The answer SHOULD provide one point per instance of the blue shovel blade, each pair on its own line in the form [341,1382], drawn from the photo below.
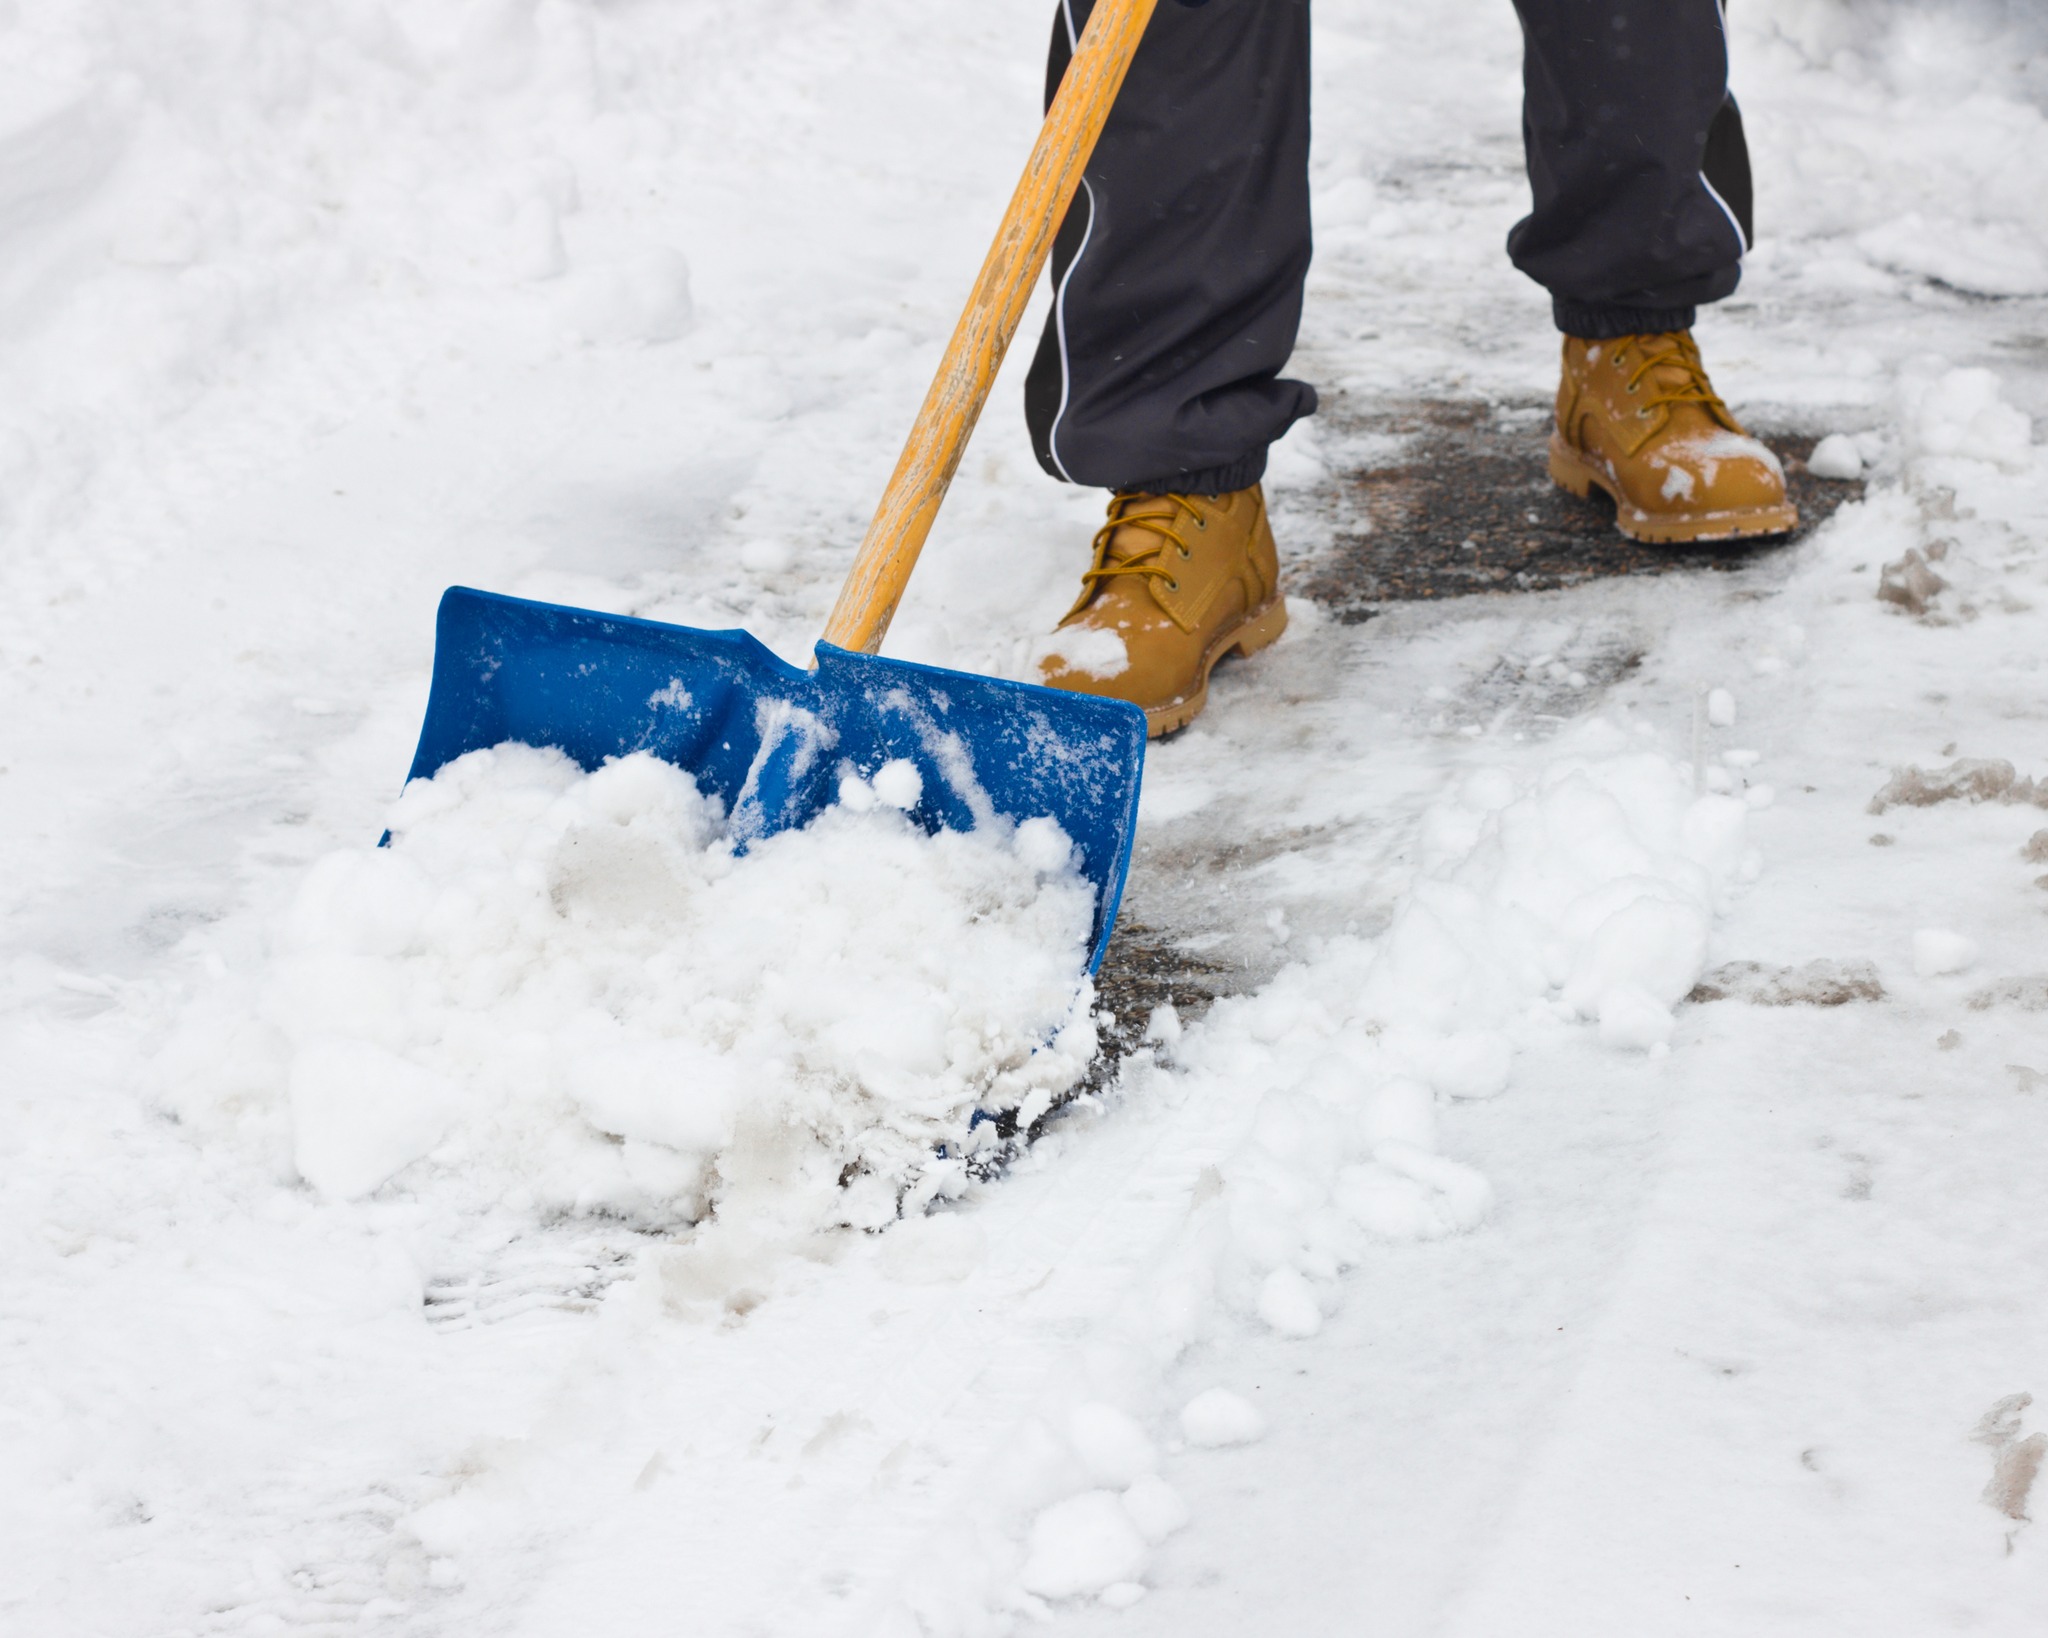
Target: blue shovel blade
[772,742]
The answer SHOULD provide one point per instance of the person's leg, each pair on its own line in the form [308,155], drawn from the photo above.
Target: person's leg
[1636,161]
[1177,276]
[1177,283]
[1642,212]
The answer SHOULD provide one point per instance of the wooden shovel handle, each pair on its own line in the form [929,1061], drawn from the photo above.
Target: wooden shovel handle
[910,505]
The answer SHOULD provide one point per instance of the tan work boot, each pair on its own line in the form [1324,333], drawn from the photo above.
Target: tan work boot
[1637,417]
[1178,581]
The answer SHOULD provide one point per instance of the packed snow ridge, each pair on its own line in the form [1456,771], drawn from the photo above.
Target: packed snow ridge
[569,992]
[1576,892]
[1583,895]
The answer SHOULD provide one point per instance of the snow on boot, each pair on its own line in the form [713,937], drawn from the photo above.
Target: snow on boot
[1637,417]
[1178,581]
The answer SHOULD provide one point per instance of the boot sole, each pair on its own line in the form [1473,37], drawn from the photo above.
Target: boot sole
[1573,472]
[1259,629]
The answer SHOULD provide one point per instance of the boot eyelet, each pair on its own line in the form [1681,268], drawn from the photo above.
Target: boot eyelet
[1642,415]
[1173,585]
[1634,388]
[1201,523]
[1185,554]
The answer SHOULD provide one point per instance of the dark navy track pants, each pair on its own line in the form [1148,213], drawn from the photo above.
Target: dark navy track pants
[1178,274]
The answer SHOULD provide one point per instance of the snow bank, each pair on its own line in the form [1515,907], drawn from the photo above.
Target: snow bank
[568,990]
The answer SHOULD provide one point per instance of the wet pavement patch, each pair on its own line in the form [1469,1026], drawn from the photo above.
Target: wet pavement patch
[1465,505]
[1143,968]
[1146,968]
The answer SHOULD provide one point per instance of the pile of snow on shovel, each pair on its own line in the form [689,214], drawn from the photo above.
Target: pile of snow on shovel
[568,993]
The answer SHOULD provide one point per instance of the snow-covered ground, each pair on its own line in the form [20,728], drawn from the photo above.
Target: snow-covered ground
[1456,1276]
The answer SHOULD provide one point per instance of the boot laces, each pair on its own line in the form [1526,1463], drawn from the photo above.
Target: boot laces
[1157,515]
[1672,366]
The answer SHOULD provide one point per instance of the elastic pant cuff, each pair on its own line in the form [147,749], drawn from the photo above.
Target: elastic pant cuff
[1212,480]
[1602,321]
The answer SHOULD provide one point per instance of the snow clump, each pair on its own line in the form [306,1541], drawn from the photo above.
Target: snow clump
[1089,650]
[1938,954]
[1836,457]
[1218,1418]
[1085,1544]
[1962,414]
[568,988]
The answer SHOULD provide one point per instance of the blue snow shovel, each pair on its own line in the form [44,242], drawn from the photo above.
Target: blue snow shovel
[773,742]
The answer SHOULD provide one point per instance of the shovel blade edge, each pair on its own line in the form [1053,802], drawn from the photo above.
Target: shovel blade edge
[771,741]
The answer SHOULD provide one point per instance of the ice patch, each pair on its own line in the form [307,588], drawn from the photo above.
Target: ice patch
[570,984]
